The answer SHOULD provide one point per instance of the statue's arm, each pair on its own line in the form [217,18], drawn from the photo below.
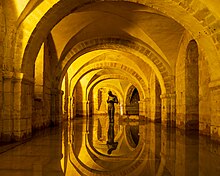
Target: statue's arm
[116,99]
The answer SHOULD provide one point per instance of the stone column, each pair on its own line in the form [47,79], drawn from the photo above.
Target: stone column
[147,107]
[56,106]
[141,108]
[144,107]
[87,108]
[70,110]
[1,101]
[22,127]
[82,108]
[168,111]
[7,124]
[215,110]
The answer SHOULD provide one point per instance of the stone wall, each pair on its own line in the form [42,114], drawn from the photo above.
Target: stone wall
[187,74]
[192,106]
[204,97]
[17,93]
[192,86]
[215,110]
[43,86]
[2,36]
[79,103]
[155,101]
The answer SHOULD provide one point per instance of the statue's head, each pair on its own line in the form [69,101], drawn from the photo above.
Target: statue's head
[110,92]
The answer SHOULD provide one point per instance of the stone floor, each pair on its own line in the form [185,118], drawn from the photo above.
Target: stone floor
[125,147]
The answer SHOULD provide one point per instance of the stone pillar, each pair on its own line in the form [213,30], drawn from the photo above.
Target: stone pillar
[124,108]
[26,93]
[121,109]
[70,107]
[1,102]
[56,106]
[147,107]
[215,110]
[82,108]
[141,108]
[144,107]
[168,111]
[7,123]
[21,124]
[87,108]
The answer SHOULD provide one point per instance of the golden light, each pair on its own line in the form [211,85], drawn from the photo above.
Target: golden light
[20,5]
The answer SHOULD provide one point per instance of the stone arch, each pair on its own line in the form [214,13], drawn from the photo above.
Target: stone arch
[106,65]
[129,93]
[129,107]
[138,48]
[202,28]
[115,76]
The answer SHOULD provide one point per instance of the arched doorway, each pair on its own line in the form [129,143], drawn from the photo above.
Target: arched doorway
[192,86]
[132,101]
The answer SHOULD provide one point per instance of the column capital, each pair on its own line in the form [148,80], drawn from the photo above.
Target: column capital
[18,76]
[169,95]
[7,74]
[57,91]
[144,100]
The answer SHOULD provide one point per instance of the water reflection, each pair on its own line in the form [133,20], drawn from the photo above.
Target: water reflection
[136,148]
[112,145]
[144,149]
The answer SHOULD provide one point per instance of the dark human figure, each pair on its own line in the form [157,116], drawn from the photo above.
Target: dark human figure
[111,108]
[112,99]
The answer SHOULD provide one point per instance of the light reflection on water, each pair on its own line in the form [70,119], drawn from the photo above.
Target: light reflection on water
[79,147]
[138,148]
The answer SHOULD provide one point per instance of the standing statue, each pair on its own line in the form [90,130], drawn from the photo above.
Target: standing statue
[111,108]
[112,99]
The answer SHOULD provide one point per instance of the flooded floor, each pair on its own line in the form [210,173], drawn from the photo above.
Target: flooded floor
[126,147]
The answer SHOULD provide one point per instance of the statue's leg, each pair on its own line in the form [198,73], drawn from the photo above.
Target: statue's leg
[112,115]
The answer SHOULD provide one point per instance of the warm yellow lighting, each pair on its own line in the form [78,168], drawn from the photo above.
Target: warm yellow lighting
[39,66]
[121,109]
[20,5]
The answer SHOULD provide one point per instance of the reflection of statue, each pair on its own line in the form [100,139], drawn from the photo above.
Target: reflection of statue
[111,144]
[111,108]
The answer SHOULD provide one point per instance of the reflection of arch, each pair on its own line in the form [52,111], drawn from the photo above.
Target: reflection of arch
[136,159]
[129,136]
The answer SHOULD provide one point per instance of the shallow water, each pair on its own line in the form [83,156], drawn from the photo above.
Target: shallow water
[92,147]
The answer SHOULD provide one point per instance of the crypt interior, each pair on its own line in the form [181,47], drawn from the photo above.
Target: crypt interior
[59,59]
